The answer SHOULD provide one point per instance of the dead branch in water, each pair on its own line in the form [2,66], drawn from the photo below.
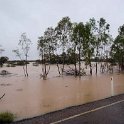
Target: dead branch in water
[2,96]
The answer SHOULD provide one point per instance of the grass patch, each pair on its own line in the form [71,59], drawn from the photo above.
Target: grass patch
[6,117]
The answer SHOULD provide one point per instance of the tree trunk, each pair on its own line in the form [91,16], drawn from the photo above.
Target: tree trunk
[58,69]
[75,69]
[57,64]
[90,69]
[96,60]
[79,64]
[75,62]
[26,67]
[44,76]
[96,68]
[63,65]
[24,70]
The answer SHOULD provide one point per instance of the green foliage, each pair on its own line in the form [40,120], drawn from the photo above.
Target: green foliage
[20,63]
[72,57]
[63,31]
[46,47]
[117,49]
[38,61]
[75,42]
[6,117]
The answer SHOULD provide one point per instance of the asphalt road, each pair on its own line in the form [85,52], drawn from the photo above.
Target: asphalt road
[113,114]
[105,111]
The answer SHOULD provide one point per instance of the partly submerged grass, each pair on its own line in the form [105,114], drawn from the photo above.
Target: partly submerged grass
[6,117]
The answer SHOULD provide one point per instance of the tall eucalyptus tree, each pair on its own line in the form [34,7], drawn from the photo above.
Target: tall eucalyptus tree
[43,52]
[18,54]
[78,38]
[88,44]
[117,49]
[74,45]
[46,47]
[102,36]
[63,31]
[24,43]
[49,36]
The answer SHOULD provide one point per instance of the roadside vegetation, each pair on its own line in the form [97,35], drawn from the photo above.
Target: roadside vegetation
[6,117]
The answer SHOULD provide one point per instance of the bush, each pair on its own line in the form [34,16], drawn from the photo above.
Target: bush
[12,65]
[6,117]
[20,63]
[3,60]
[8,65]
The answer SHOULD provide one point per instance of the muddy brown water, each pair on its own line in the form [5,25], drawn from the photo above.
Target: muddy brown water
[32,96]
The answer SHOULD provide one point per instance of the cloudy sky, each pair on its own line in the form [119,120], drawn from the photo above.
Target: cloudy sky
[34,16]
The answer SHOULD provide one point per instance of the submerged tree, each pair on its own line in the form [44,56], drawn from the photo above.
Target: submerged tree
[102,36]
[89,42]
[83,41]
[25,46]
[44,53]
[72,51]
[78,38]
[18,54]
[117,49]
[49,36]
[47,47]
[63,31]
[24,43]
[71,43]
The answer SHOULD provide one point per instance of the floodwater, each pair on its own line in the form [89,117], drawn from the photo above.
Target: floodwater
[32,96]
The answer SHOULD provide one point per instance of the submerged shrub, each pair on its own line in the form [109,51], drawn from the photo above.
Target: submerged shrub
[6,117]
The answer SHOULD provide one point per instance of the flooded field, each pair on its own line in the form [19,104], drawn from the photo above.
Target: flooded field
[32,96]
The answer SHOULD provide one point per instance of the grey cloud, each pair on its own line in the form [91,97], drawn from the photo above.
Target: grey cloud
[34,16]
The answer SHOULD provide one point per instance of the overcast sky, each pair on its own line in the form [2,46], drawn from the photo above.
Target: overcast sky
[34,16]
